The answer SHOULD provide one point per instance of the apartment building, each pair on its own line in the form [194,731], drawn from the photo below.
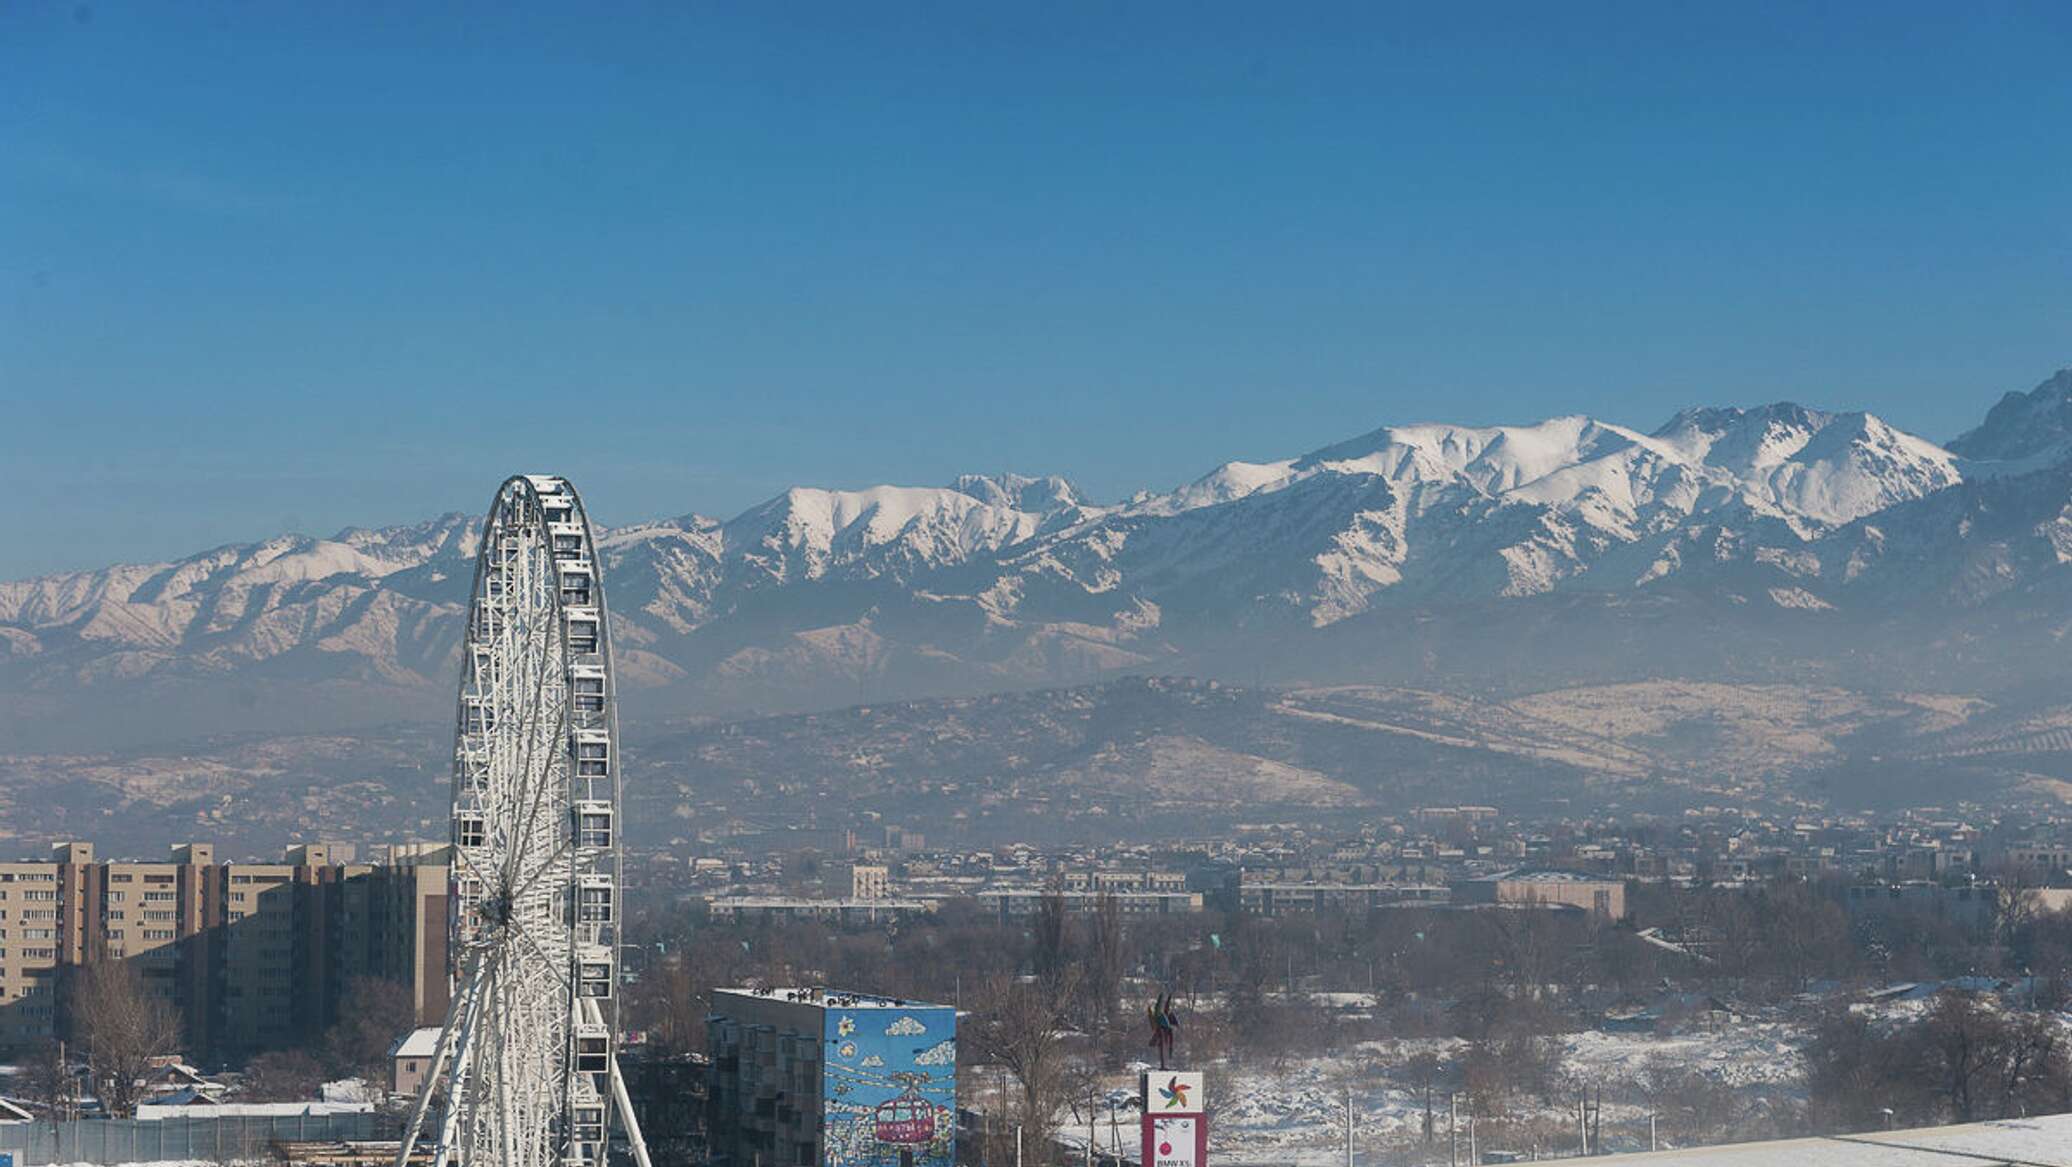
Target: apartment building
[254,956]
[30,949]
[863,881]
[805,1077]
[1546,888]
[1285,897]
[1105,879]
[1012,904]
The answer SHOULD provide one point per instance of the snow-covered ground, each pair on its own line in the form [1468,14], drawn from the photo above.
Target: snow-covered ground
[1296,1115]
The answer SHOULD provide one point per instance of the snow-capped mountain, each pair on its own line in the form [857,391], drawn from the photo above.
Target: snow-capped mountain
[821,595]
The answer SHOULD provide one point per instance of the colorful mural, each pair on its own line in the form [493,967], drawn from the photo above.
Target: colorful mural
[890,1087]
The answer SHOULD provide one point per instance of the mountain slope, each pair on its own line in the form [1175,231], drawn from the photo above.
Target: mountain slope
[1799,535]
[2024,431]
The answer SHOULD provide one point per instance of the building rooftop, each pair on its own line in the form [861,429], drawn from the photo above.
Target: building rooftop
[418,1043]
[828,998]
[2028,1142]
[1547,875]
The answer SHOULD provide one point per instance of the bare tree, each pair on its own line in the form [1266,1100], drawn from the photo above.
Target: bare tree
[373,1016]
[1023,1027]
[123,1026]
[1422,1071]
[1052,937]
[1104,962]
[47,1080]
[289,1075]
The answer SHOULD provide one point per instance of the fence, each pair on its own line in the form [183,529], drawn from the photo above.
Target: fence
[221,1139]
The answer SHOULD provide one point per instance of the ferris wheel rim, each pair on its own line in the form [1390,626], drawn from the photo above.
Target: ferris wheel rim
[523,939]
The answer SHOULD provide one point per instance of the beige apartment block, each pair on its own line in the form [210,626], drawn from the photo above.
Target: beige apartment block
[254,956]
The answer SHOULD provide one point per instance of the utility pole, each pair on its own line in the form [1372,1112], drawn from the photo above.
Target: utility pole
[1453,1130]
[1651,1130]
[1348,1126]
[1018,1145]
[1091,1129]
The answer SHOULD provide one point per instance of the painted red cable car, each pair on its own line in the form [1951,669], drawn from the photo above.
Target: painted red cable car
[908,1120]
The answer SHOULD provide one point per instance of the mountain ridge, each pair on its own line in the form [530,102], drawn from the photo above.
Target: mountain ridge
[992,581]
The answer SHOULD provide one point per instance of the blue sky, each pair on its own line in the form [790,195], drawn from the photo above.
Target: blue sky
[270,267]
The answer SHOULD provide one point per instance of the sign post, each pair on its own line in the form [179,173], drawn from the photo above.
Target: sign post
[1176,1119]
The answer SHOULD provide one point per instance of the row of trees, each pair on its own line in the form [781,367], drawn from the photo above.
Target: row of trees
[112,1027]
[1967,1059]
[110,1022]
[1054,1000]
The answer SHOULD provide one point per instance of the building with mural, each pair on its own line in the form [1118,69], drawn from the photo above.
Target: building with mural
[822,1076]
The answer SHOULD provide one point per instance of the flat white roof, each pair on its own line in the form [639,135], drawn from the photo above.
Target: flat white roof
[829,998]
[420,1044]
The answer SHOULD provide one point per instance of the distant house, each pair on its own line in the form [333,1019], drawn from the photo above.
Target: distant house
[411,1059]
[1543,887]
[170,1075]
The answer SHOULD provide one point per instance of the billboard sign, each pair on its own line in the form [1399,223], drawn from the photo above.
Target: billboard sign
[1176,1121]
[889,1087]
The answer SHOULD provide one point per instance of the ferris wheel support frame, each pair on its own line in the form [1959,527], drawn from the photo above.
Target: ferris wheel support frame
[526,1065]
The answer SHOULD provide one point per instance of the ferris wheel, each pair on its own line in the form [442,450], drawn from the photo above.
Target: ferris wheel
[525,1072]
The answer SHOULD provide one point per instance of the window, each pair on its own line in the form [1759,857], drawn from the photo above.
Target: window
[575,586]
[158,933]
[41,896]
[582,632]
[593,826]
[159,897]
[593,1053]
[589,1124]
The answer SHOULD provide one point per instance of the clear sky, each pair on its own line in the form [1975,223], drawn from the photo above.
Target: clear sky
[295,266]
